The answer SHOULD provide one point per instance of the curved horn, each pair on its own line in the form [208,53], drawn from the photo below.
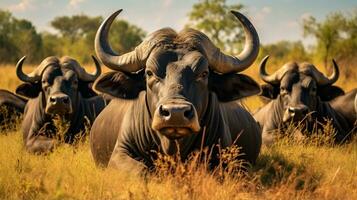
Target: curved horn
[272,79]
[223,63]
[336,73]
[20,74]
[31,78]
[276,76]
[83,75]
[129,62]
[322,79]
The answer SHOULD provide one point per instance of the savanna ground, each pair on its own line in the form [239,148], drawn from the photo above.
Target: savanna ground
[311,168]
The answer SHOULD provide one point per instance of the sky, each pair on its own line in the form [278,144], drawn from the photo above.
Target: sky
[274,20]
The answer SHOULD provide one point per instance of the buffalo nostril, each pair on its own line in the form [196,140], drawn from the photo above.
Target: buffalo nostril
[65,100]
[189,113]
[52,100]
[163,112]
[291,110]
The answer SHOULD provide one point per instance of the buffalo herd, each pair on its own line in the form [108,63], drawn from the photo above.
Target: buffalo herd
[176,93]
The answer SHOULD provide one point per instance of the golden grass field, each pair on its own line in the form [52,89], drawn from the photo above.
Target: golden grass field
[308,169]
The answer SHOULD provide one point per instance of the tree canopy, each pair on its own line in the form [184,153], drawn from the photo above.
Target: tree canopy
[74,36]
[18,37]
[336,38]
[213,17]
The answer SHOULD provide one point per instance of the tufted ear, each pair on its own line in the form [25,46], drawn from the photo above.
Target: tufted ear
[29,90]
[120,84]
[327,93]
[269,92]
[230,87]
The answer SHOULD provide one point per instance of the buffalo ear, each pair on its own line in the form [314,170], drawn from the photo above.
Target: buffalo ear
[327,93]
[29,90]
[269,92]
[120,84]
[230,87]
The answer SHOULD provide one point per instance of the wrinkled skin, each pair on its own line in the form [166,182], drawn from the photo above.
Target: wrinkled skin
[126,126]
[176,104]
[12,106]
[61,93]
[299,99]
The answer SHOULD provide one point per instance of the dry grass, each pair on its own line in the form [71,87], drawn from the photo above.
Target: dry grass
[290,169]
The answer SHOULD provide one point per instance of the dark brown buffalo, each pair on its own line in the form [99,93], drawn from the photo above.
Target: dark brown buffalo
[11,108]
[300,94]
[174,88]
[346,105]
[57,87]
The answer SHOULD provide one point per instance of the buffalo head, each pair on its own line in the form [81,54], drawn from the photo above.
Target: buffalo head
[179,72]
[299,87]
[58,81]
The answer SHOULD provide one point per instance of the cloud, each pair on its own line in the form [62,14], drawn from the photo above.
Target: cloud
[266,10]
[75,3]
[23,5]
[260,14]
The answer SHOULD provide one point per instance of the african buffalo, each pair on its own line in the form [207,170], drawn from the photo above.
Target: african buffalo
[174,94]
[346,105]
[301,94]
[12,106]
[57,87]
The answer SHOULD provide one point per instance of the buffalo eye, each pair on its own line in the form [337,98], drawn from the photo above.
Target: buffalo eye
[313,90]
[45,84]
[75,83]
[202,75]
[149,73]
[283,90]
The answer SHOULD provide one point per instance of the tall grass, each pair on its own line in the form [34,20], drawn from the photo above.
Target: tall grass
[286,170]
[311,168]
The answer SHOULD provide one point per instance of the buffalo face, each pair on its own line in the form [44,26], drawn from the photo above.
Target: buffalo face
[178,71]
[177,90]
[298,94]
[58,82]
[299,88]
[60,90]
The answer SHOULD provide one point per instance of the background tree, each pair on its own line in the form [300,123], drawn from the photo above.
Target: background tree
[77,33]
[213,17]
[76,26]
[284,51]
[336,37]
[7,48]
[326,33]
[17,38]
[73,36]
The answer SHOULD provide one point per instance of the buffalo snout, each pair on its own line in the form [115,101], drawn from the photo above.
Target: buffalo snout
[176,119]
[176,112]
[296,113]
[58,104]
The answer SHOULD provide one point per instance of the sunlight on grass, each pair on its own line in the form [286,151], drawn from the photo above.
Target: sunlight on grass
[288,169]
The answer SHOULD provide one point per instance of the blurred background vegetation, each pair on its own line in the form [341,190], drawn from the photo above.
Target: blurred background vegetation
[334,37]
